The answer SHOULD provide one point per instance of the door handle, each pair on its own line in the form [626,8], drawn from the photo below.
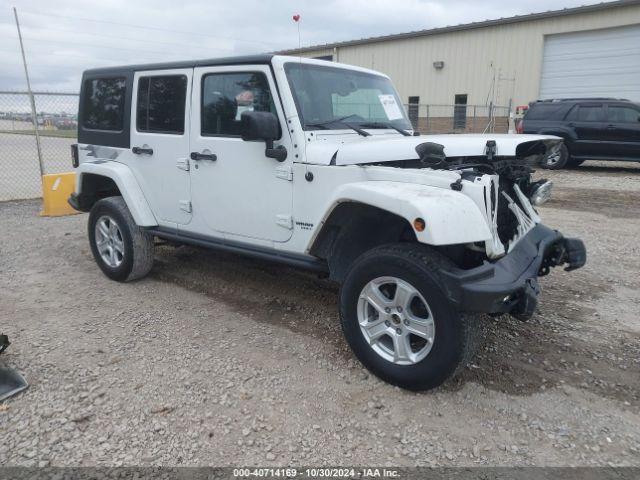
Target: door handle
[611,127]
[212,157]
[140,151]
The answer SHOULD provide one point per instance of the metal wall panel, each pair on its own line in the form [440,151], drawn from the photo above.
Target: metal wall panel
[597,63]
[511,53]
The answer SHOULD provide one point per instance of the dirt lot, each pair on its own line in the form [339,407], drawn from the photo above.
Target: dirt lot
[220,360]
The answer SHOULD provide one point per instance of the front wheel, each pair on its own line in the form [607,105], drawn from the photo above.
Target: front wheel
[398,321]
[557,159]
[122,249]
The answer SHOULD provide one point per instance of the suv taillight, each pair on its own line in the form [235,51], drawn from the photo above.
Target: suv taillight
[75,159]
[520,127]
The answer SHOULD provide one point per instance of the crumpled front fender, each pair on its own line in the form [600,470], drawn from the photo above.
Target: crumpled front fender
[450,217]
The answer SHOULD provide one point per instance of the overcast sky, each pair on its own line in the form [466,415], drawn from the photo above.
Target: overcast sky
[64,37]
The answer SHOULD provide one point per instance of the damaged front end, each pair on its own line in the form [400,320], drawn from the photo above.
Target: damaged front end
[509,285]
[521,248]
[500,186]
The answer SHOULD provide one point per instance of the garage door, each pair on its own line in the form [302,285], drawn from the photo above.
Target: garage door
[597,63]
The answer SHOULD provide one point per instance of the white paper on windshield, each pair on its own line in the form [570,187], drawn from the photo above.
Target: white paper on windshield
[391,108]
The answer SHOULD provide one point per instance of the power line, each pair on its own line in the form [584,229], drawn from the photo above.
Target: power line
[129,38]
[147,27]
[81,56]
[93,45]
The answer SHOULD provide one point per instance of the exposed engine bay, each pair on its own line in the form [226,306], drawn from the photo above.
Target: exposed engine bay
[501,186]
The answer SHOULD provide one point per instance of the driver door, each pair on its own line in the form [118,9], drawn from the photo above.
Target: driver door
[237,192]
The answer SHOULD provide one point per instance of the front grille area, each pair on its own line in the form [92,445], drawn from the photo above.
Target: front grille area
[506,218]
[509,214]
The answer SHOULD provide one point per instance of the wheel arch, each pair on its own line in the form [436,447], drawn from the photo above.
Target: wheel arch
[97,181]
[364,215]
[353,228]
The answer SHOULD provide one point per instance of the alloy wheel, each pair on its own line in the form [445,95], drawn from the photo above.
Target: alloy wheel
[396,320]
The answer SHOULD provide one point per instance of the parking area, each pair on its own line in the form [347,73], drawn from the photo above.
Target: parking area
[20,173]
[216,359]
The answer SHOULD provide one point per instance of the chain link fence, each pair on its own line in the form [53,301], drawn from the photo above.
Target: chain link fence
[437,119]
[56,122]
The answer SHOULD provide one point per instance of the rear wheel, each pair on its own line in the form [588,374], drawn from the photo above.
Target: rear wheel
[557,160]
[398,321]
[122,249]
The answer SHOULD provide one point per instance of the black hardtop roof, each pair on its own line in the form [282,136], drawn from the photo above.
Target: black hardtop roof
[264,59]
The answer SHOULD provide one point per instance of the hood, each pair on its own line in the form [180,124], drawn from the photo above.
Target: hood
[333,150]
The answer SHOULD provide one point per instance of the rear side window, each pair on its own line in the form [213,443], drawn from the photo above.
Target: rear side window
[161,104]
[104,104]
[619,114]
[586,113]
[545,111]
[226,95]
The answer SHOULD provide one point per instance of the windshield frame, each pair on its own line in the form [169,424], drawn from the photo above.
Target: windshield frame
[308,125]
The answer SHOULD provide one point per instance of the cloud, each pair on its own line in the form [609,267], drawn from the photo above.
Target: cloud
[61,40]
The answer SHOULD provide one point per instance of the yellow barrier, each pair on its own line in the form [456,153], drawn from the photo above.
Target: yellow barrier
[56,189]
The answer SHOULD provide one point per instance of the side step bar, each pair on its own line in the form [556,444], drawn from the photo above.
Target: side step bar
[295,260]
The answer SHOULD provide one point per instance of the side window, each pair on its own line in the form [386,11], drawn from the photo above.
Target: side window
[103,104]
[226,95]
[161,104]
[590,113]
[619,114]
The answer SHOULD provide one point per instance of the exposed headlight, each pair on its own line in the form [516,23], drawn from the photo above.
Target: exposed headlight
[540,192]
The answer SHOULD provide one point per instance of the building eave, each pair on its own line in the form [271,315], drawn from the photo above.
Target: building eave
[467,26]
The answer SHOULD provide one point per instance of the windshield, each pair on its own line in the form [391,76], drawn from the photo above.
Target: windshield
[328,96]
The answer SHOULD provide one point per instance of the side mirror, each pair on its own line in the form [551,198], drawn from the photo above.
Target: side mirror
[262,126]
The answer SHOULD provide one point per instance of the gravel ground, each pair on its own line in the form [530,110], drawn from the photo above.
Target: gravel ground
[219,360]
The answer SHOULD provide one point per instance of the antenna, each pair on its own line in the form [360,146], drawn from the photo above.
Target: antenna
[296,18]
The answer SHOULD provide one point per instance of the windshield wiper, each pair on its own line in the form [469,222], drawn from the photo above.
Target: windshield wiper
[324,125]
[385,125]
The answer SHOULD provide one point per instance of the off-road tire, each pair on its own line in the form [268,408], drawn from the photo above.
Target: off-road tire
[138,244]
[560,163]
[456,334]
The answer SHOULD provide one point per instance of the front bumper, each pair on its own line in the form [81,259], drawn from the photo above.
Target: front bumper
[510,284]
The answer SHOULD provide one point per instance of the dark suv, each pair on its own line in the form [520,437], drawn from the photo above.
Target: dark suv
[592,128]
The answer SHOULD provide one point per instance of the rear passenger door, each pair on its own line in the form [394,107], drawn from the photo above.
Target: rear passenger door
[588,122]
[160,142]
[623,130]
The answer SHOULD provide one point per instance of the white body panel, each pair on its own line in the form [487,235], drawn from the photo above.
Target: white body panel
[242,195]
[127,184]
[351,148]
[164,183]
[246,197]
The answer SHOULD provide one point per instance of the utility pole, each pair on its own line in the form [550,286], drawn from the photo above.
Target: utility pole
[34,116]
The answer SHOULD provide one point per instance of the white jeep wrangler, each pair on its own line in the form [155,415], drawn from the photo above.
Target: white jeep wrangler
[315,164]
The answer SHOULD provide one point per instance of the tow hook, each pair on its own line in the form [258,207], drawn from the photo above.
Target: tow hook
[576,255]
[568,250]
